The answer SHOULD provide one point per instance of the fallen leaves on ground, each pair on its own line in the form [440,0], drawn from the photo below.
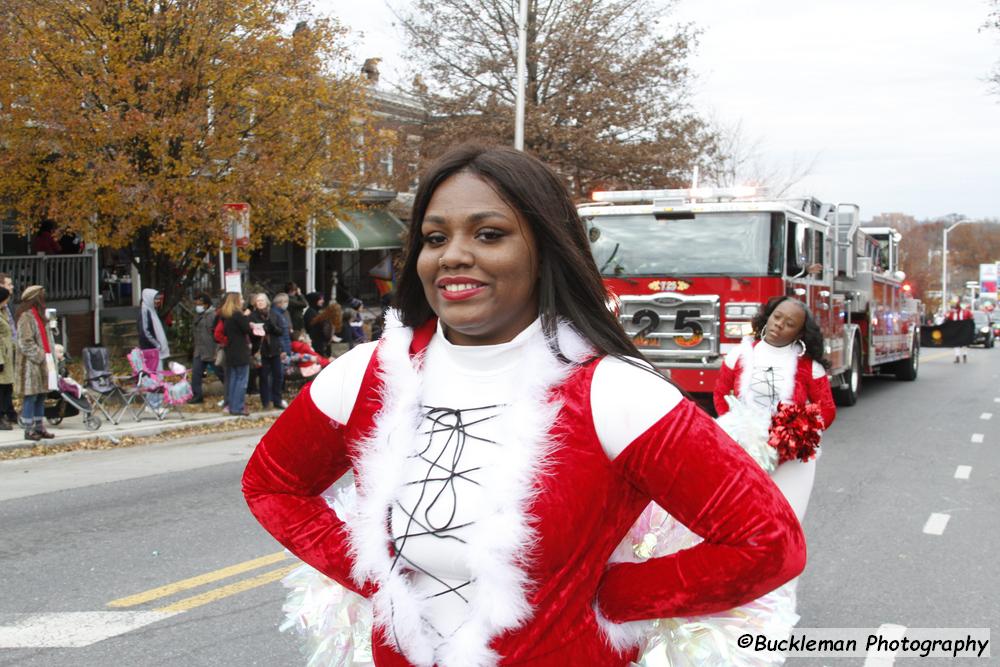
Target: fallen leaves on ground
[119,441]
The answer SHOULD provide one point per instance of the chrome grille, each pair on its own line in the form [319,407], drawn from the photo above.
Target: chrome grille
[672,327]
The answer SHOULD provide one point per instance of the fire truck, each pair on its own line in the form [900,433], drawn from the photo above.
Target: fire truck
[687,270]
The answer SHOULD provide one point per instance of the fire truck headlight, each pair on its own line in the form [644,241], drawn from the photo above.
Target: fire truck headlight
[984,329]
[737,329]
[741,310]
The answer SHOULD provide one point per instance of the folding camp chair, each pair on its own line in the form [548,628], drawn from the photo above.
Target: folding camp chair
[160,392]
[102,386]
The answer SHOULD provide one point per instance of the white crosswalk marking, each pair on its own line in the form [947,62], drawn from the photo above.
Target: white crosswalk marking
[986,416]
[71,629]
[977,437]
[963,472]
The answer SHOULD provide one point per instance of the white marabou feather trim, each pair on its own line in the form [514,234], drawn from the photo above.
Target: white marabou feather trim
[499,544]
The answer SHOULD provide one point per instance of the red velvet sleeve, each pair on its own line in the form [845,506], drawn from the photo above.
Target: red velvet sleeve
[820,393]
[752,541]
[300,456]
[723,386]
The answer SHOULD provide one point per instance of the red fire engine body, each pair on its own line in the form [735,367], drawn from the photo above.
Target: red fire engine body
[688,269]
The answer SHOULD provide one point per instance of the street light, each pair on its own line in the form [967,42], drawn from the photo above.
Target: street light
[944,265]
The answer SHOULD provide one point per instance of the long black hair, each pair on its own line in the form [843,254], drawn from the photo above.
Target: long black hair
[811,336]
[569,285]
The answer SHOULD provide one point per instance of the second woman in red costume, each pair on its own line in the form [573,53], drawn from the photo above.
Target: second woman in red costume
[783,363]
[503,437]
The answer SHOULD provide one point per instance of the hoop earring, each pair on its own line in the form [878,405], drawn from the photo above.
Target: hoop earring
[803,346]
[763,332]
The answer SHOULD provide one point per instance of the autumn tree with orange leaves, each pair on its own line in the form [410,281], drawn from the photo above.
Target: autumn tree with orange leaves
[131,122]
[607,91]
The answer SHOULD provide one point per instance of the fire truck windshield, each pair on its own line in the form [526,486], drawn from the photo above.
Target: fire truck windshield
[737,243]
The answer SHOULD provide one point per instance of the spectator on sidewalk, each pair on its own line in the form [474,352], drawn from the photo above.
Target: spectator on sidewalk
[280,306]
[352,331]
[152,335]
[310,361]
[8,310]
[6,363]
[313,324]
[7,410]
[266,326]
[35,365]
[297,305]
[205,347]
[326,325]
[237,329]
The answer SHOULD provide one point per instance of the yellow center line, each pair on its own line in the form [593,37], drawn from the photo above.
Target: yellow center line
[225,591]
[201,579]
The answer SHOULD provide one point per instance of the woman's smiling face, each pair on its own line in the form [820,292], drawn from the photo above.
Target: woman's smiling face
[478,263]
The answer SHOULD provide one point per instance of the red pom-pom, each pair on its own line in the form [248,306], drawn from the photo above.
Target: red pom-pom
[795,431]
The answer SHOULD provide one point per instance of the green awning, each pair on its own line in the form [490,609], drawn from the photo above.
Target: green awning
[363,229]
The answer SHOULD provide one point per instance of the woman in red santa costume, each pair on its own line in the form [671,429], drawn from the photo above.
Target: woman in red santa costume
[783,363]
[761,396]
[503,437]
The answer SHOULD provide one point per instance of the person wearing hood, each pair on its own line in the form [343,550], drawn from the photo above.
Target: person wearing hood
[152,336]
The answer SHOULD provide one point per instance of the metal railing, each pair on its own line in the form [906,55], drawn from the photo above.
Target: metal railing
[62,276]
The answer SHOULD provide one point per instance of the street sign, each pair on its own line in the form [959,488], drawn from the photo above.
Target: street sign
[988,281]
[234,282]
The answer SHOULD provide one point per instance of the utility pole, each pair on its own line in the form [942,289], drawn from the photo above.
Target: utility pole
[522,74]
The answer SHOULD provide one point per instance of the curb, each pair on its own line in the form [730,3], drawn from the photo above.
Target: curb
[153,428]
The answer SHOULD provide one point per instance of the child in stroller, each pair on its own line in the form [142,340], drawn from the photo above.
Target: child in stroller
[70,399]
[306,362]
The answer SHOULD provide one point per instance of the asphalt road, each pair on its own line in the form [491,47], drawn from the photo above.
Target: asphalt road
[79,549]
[889,463]
[80,531]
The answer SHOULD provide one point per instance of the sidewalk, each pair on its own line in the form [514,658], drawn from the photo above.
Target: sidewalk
[72,429]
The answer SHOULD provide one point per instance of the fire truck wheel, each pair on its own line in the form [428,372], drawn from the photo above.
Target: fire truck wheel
[847,394]
[906,369]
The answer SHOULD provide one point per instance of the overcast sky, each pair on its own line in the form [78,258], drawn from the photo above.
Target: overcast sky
[889,96]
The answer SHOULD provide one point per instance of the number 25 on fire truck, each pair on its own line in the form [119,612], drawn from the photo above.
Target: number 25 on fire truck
[686,271]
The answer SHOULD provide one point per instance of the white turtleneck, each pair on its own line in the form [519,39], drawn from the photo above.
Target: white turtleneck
[464,388]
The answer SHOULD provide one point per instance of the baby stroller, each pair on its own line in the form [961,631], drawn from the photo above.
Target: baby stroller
[70,399]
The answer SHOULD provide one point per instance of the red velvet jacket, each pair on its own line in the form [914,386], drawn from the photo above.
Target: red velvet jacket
[583,507]
[808,389]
